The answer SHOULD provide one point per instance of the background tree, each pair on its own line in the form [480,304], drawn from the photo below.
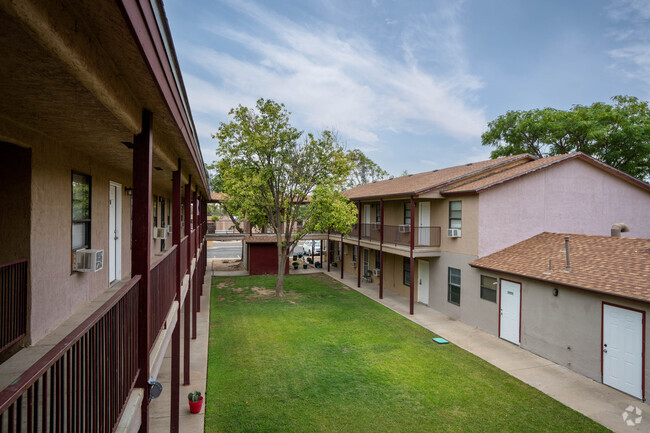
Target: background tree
[275,175]
[230,209]
[365,169]
[618,134]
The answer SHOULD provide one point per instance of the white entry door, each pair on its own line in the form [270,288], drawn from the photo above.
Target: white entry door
[366,220]
[114,232]
[510,300]
[424,231]
[423,282]
[623,349]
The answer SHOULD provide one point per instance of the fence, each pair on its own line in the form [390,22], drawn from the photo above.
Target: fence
[13,303]
[161,292]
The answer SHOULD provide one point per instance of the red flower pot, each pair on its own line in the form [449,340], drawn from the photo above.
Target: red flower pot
[195,406]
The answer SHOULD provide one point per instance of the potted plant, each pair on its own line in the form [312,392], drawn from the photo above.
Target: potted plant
[295,265]
[304,265]
[196,401]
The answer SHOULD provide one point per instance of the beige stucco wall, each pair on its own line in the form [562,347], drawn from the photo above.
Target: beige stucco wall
[566,329]
[473,310]
[468,242]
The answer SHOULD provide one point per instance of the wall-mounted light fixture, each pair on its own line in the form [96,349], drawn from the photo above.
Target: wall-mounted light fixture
[128,191]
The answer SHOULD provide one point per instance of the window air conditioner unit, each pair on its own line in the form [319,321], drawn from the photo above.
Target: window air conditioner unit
[375,226]
[86,260]
[159,233]
[169,229]
[453,233]
[354,264]
[405,228]
[376,272]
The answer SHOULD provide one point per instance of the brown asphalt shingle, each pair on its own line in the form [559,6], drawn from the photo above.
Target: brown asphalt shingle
[617,266]
[411,184]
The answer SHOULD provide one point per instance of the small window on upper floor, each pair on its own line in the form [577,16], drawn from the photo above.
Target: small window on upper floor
[455,214]
[155,211]
[81,210]
[407,213]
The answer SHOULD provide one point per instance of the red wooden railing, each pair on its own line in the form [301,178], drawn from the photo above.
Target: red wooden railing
[13,303]
[162,292]
[183,269]
[82,383]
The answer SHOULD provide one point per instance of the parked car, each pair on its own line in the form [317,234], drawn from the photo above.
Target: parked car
[308,246]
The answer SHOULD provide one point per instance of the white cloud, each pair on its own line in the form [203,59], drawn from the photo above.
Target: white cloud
[632,33]
[331,78]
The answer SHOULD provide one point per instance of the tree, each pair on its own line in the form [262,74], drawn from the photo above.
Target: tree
[618,134]
[230,209]
[275,175]
[365,170]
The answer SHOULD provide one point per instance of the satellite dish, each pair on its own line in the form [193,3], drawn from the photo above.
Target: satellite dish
[155,389]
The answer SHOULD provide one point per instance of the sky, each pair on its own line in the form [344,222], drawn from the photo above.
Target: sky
[413,84]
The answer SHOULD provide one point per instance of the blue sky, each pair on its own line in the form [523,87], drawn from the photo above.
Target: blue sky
[411,83]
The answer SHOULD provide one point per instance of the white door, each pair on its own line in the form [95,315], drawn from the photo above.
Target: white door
[366,220]
[510,300]
[424,231]
[623,349]
[114,232]
[423,282]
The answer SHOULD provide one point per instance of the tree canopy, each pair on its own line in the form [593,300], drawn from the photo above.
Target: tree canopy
[617,134]
[276,176]
[365,170]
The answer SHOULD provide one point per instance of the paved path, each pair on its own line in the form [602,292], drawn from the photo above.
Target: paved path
[601,403]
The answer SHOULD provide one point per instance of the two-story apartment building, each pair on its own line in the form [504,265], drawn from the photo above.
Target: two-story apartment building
[104,194]
[417,234]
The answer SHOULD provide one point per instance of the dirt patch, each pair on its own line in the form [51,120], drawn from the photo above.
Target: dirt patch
[220,298]
[227,265]
[225,283]
[262,291]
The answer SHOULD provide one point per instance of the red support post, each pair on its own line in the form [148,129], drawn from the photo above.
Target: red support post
[412,261]
[195,289]
[141,250]
[176,335]
[381,249]
[359,243]
[188,261]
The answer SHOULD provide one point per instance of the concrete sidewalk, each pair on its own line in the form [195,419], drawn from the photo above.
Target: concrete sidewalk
[599,402]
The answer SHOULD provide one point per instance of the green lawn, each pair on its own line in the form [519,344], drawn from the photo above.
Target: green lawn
[327,359]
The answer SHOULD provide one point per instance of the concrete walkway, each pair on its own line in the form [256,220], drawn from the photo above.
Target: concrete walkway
[159,420]
[599,402]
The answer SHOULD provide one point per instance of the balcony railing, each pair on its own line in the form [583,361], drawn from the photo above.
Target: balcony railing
[162,292]
[427,236]
[13,303]
[82,383]
[183,269]
[371,231]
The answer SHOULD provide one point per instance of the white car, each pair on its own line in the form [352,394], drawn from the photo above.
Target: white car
[310,246]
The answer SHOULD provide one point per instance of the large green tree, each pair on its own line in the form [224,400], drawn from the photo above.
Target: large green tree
[617,134]
[275,175]
[365,170]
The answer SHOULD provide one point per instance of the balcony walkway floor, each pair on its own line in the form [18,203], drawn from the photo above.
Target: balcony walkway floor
[159,409]
[599,402]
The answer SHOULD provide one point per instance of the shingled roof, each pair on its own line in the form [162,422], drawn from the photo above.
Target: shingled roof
[612,265]
[418,183]
[497,178]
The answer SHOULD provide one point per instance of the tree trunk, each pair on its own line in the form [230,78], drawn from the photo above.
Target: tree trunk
[282,259]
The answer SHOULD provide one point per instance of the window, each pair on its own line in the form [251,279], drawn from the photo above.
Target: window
[378,212]
[453,293]
[406,274]
[81,197]
[354,253]
[455,214]
[407,213]
[169,206]
[377,259]
[155,211]
[488,288]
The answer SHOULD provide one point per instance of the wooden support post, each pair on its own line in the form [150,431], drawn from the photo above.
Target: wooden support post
[359,243]
[188,297]
[381,249]
[412,261]
[195,289]
[176,334]
[141,250]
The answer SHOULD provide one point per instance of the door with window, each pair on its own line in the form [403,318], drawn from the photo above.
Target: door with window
[623,349]
[366,220]
[114,232]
